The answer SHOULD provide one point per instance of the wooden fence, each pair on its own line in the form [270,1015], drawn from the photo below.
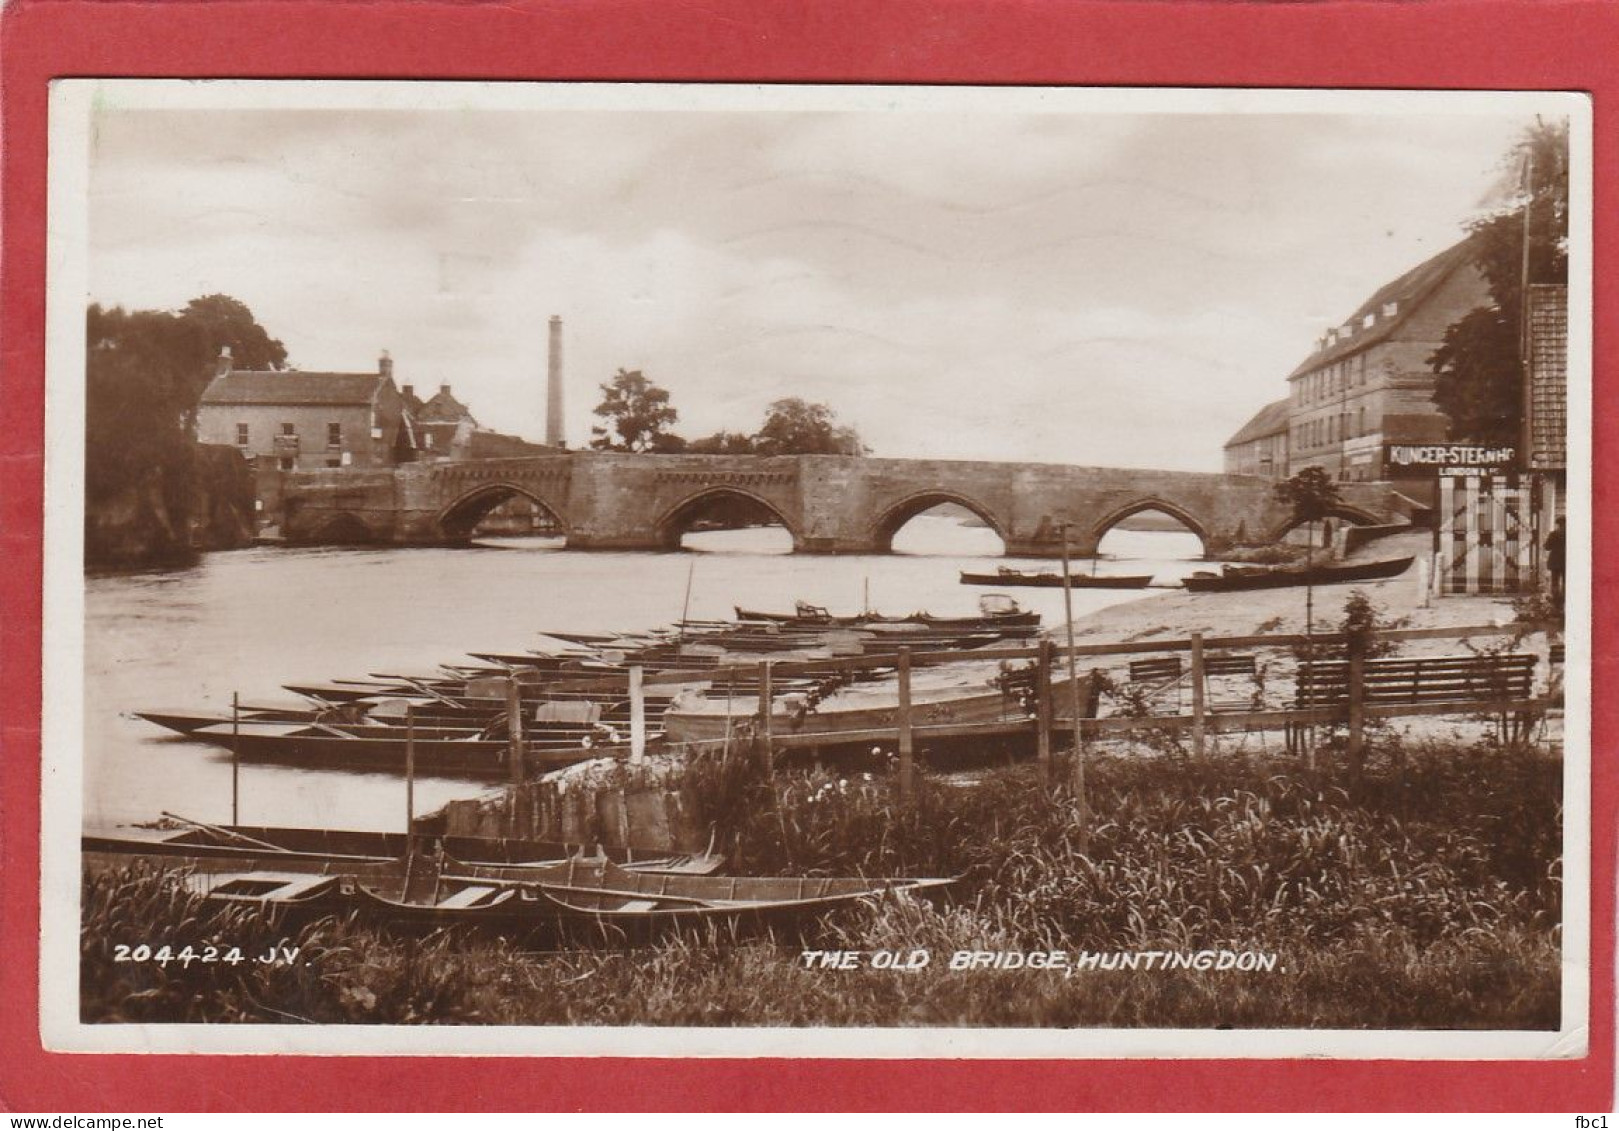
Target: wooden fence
[1341,687]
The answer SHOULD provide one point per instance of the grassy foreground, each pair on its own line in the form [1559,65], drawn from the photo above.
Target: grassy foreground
[1424,894]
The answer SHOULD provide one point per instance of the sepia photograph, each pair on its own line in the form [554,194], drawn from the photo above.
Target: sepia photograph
[658,569]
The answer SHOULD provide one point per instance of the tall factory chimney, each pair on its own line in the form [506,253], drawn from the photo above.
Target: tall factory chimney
[554,435]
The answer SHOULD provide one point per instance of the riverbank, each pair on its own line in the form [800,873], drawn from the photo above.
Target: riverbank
[1176,613]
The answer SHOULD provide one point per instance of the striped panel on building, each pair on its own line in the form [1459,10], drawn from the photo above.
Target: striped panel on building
[1486,539]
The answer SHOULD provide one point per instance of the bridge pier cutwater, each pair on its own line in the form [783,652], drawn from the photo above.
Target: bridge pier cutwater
[828,504]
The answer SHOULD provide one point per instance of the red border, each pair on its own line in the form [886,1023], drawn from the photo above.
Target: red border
[1498,44]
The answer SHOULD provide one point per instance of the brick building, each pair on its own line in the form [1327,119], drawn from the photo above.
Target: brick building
[1368,382]
[1260,446]
[297,421]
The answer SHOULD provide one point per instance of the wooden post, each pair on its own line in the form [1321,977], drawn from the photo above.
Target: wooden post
[235,758]
[1197,694]
[903,717]
[637,717]
[766,753]
[1356,752]
[514,725]
[410,771]
[1043,705]
[1081,803]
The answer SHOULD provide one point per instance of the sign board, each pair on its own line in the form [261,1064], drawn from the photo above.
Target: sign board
[1423,461]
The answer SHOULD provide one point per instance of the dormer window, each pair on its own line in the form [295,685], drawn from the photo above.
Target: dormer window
[1390,309]
[1366,323]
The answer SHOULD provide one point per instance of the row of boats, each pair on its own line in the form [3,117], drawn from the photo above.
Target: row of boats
[536,892]
[573,701]
[1230,578]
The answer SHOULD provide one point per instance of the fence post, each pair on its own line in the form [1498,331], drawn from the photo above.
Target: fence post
[906,768]
[637,716]
[1197,695]
[1356,752]
[235,758]
[1042,705]
[515,757]
[766,701]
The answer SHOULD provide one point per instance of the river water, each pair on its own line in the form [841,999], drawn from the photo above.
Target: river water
[248,620]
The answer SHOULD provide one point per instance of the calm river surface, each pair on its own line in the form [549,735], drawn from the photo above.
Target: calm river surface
[249,620]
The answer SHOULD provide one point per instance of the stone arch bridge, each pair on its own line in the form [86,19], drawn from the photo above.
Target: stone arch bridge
[829,504]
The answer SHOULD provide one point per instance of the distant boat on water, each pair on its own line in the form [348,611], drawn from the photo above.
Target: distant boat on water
[1051,580]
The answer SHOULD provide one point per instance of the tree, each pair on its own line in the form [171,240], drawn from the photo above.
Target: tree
[793,426]
[1478,367]
[638,413]
[223,321]
[145,371]
[1310,495]
[722,444]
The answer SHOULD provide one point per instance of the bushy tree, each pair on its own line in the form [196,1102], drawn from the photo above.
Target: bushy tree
[144,376]
[722,444]
[794,426]
[145,371]
[1478,368]
[638,415]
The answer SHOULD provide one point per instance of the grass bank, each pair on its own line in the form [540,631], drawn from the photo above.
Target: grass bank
[1425,893]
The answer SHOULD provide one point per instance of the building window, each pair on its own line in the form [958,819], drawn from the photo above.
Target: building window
[334,435]
[241,436]
[289,429]
[334,461]
[1362,430]
[286,463]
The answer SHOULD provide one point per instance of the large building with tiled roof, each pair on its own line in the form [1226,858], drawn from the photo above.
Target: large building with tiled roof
[293,420]
[1260,446]
[1368,381]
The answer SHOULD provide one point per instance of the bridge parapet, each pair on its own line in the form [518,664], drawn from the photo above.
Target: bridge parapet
[829,504]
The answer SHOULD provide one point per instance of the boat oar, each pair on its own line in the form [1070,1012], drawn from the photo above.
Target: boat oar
[229,834]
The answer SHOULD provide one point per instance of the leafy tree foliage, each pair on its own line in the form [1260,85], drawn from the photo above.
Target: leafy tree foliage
[1311,494]
[638,415]
[722,444]
[145,373]
[794,426]
[1478,368]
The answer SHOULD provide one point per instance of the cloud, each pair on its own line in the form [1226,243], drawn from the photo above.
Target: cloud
[1120,289]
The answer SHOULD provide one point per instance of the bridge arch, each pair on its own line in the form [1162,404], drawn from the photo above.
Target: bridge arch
[889,522]
[457,521]
[678,519]
[335,528]
[1347,512]
[1150,503]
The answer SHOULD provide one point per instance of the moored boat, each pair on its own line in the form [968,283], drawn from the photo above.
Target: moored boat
[1235,578]
[1050,580]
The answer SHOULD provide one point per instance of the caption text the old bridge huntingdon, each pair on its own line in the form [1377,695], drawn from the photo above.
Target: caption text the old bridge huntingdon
[829,504]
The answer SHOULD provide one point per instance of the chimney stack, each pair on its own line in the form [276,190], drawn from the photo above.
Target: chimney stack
[554,436]
[222,365]
[385,365]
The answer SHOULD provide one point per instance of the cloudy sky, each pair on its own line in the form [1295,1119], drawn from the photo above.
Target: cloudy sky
[997,281]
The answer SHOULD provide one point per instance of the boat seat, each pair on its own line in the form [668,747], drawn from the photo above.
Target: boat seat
[467,896]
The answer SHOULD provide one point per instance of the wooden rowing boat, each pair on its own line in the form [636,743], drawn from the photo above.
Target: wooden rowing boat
[1048,579]
[1236,578]
[340,846]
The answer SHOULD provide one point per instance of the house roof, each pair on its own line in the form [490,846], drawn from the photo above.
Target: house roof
[497,445]
[1268,421]
[293,387]
[442,407]
[1408,291]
